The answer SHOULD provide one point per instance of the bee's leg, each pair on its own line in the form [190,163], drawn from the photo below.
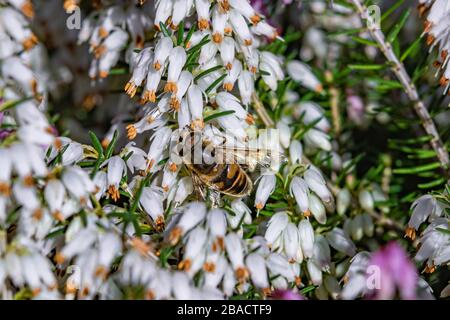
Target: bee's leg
[214,197]
[198,187]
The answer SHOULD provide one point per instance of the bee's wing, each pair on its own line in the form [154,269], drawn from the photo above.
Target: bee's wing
[250,157]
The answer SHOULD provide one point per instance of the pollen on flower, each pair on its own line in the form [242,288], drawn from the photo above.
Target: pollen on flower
[59,258]
[103,74]
[101,272]
[175,103]
[140,246]
[175,235]
[70,5]
[255,19]
[157,65]
[102,32]
[131,131]
[171,87]
[114,193]
[71,287]
[197,124]
[105,143]
[130,89]
[30,42]
[298,281]
[28,181]
[250,119]
[149,95]
[228,30]
[185,265]
[58,216]
[307,213]
[203,24]
[228,86]
[248,42]
[410,233]
[259,206]
[173,167]
[242,274]
[35,292]
[5,189]
[209,267]
[160,224]
[429,269]
[150,295]
[318,88]
[217,38]
[38,214]
[266,292]
[224,5]
[99,51]
[27,9]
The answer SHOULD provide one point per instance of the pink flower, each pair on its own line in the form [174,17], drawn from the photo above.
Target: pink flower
[286,295]
[395,271]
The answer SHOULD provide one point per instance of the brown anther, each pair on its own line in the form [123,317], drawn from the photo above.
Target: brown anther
[209,267]
[217,38]
[102,32]
[248,42]
[171,87]
[139,42]
[28,181]
[430,269]
[114,193]
[30,42]
[259,206]
[103,74]
[160,224]
[105,143]
[298,281]
[175,103]
[59,258]
[203,24]
[157,65]
[307,213]
[58,216]
[99,51]
[131,132]
[173,167]
[430,39]
[5,189]
[185,265]
[37,214]
[255,19]
[242,274]
[101,272]
[27,9]
[150,295]
[130,89]
[410,233]
[35,292]
[228,86]
[140,246]
[175,235]
[250,119]
[318,88]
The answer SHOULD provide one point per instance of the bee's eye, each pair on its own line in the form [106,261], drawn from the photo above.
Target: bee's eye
[180,139]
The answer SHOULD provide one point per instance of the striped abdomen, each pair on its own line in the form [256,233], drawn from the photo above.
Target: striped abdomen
[229,179]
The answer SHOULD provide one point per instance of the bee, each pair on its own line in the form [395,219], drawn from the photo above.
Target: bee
[221,169]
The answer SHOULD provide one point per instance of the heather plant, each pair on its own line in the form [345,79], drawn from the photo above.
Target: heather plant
[226,149]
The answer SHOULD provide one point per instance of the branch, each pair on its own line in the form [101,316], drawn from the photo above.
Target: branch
[399,70]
